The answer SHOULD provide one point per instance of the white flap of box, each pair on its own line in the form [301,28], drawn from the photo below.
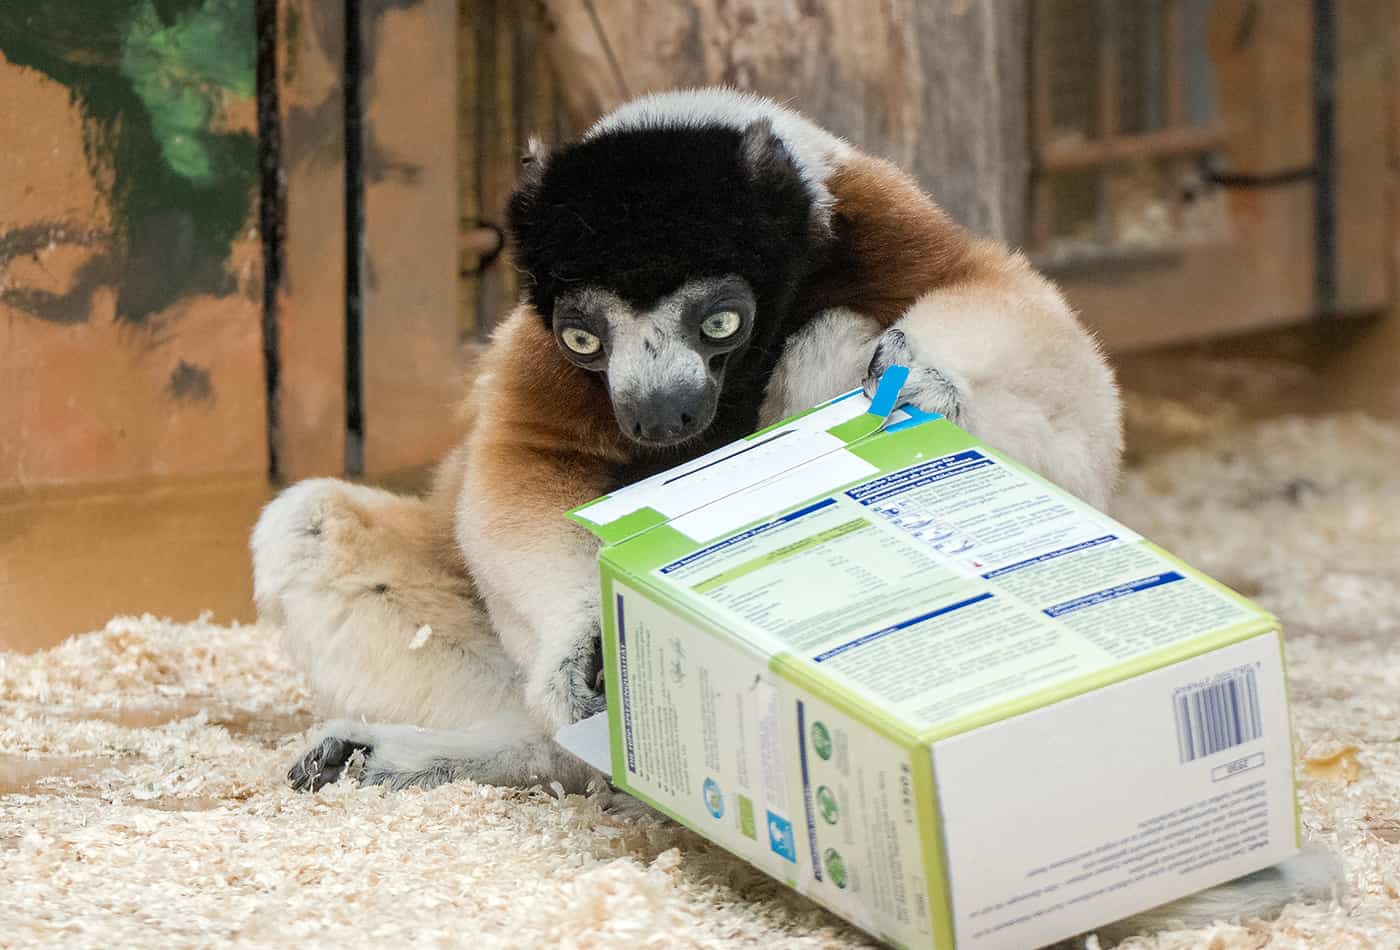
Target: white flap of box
[588,739]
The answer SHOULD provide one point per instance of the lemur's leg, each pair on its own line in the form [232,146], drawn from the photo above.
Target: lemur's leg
[830,356]
[377,608]
[1001,355]
[509,749]
[544,442]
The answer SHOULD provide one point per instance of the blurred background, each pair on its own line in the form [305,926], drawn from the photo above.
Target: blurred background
[244,242]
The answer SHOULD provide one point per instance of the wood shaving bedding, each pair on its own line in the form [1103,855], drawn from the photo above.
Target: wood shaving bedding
[142,799]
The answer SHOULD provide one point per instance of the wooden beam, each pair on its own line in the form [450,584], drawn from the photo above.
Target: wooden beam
[499,143]
[412,359]
[1366,57]
[1174,39]
[1361,370]
[939,88]
[469,321]
[311,299]
[1042,212]
[1063,156]
[1110,71]
[1261,274]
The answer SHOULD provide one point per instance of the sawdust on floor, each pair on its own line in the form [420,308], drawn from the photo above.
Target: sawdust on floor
[142,801]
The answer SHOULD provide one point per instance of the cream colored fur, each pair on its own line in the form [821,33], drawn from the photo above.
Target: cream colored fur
[539,581]
[1031,380]
[353,574]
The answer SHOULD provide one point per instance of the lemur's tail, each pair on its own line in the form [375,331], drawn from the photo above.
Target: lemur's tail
[1315,873]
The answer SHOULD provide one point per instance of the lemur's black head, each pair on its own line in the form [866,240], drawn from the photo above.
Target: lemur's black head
[667,258]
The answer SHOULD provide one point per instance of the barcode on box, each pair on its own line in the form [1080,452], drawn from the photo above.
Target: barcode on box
[1219,716]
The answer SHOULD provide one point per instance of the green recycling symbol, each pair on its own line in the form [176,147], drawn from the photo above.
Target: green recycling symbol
[821,740]
[836,867]
[826,802]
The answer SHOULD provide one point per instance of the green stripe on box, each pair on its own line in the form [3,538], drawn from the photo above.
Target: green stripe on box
[787,551]
[1292,746]
[891,451]
[747,825]
[620,529]
[853,430]
[660,545]
[940,898]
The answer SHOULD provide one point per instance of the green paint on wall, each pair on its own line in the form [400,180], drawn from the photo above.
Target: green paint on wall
[150,78]
[181,70]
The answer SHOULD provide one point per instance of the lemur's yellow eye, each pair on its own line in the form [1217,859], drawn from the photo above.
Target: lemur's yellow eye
[721,325]
[581,341]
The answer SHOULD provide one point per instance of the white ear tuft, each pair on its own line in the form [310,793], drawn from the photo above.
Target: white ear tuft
[533,162]
[536,151]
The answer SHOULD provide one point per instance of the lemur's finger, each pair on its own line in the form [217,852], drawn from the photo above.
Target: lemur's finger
[893,349]
[596,663]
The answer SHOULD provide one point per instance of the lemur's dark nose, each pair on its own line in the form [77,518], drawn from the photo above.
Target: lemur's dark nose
[671,418]
[664,427]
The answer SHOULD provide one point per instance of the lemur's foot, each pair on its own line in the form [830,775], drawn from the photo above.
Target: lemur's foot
[928,388]
[324,763]
[574,690]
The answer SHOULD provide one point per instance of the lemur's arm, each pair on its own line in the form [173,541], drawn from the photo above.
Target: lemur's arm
[1001,355]
[543,443]
[990,342]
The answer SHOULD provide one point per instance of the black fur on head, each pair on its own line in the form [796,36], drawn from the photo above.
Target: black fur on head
[641,211]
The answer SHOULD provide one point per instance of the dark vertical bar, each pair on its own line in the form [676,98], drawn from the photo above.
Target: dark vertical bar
[1173,75]
[1324,82]
[1042,120]
[1110,100]
[354,242]
[1174,40]
[270,207]
[487,131]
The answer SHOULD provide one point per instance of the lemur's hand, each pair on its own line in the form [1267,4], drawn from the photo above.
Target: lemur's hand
[572,687]
[928,388]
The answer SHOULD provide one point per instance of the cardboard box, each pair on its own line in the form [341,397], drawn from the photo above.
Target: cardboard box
[947,700]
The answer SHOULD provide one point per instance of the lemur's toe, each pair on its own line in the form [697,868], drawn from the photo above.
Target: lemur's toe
[324,763]
[578,683]
[893,349]
[927,388]
[592,705]
[595,665]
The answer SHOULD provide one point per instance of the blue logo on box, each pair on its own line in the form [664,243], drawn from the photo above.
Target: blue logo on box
[780,837]
[714,801]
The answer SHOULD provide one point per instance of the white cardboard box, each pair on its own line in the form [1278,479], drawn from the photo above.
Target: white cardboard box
[930,690]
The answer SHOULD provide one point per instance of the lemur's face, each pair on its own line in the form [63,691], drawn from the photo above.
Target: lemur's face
[658,254]
[664,364]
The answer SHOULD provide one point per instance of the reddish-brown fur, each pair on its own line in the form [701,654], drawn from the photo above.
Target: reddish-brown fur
[894,244]
[545,429]
[545,439]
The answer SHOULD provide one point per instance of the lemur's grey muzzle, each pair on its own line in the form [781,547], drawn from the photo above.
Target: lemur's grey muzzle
[667,416]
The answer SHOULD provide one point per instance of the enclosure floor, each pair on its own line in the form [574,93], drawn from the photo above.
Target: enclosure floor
[71,557]
[142,799]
